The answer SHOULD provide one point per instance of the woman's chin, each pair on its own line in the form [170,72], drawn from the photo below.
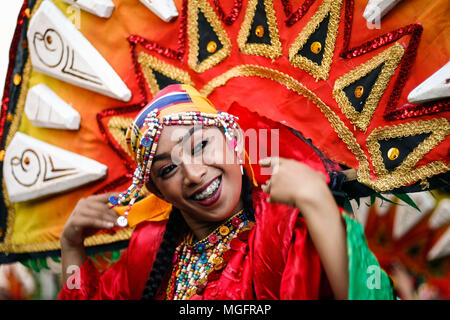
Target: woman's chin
[218,205]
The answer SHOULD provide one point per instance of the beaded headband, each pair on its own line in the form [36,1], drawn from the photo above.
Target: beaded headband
[174,105]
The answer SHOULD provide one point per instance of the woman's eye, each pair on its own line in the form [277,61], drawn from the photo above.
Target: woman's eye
[200,146]
[166,170]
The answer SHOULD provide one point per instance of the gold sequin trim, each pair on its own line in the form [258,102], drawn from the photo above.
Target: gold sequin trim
[194,37]
[405,173]
[118,126]
[391,58]
[333,8]
[149,63]
[272,51]
[120,235]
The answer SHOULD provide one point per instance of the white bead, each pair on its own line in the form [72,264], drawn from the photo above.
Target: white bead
[122,221]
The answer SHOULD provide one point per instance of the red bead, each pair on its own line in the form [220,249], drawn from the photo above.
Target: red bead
[213,238]
[236,221]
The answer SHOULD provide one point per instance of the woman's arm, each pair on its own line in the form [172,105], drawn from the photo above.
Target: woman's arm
[297,185]
[89,215]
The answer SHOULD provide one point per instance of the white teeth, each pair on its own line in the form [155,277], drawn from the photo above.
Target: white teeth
[212,188]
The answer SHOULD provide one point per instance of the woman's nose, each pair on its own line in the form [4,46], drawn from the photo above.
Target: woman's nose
[193,173]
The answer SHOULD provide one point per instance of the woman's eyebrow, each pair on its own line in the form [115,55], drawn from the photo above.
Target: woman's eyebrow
[166,155]
[189,133]
[161,156]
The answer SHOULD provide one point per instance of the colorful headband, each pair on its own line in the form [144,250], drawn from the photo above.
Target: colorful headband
[174,105]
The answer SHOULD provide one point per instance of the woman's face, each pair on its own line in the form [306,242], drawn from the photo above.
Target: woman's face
[197,170]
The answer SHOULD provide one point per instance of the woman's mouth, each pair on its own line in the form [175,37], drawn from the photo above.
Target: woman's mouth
[209,195]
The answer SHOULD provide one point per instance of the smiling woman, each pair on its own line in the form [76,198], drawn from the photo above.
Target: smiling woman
[225,237]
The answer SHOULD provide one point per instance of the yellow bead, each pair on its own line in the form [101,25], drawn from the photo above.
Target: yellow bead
[316,47]
[359,90]
[28,12]
[259,31]
[2,155]
[393,153]
[17,79]
[9,117]
[211,47]
[224,230]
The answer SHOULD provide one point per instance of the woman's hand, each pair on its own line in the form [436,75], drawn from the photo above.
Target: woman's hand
[297,185]
[89,216]
[294,183]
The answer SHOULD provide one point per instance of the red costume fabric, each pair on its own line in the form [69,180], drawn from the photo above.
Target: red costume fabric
[274,260]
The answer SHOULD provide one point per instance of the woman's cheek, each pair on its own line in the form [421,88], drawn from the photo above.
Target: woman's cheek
[212,157]
[170,190]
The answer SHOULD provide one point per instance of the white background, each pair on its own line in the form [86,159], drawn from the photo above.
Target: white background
[9,11]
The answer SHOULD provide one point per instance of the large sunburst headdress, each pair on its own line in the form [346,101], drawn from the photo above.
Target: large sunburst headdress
[174,105]
[80,72]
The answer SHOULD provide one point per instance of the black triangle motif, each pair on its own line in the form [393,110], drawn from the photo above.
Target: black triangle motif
[317,39]
[207,35]
[162,80]
[402,147]
[359,91]
[367,82]
[314,47]
[260,21]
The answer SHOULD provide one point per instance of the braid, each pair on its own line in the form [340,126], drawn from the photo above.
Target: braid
[165,254]
[171,236]
[246,196]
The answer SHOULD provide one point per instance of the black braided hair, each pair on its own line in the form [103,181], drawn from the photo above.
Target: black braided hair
[165,254]
[174,226]
[246,197]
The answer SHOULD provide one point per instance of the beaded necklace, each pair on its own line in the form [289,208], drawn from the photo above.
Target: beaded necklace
[194,261]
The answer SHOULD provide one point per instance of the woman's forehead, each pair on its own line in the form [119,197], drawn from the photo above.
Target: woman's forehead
[174,135]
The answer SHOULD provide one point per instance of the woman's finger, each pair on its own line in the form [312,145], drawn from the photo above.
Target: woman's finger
[94,214]
[104,197]
[90,222]
[272,162]
[265,162]
[101,207]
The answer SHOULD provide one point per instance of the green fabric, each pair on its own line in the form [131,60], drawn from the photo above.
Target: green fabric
[367,281]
